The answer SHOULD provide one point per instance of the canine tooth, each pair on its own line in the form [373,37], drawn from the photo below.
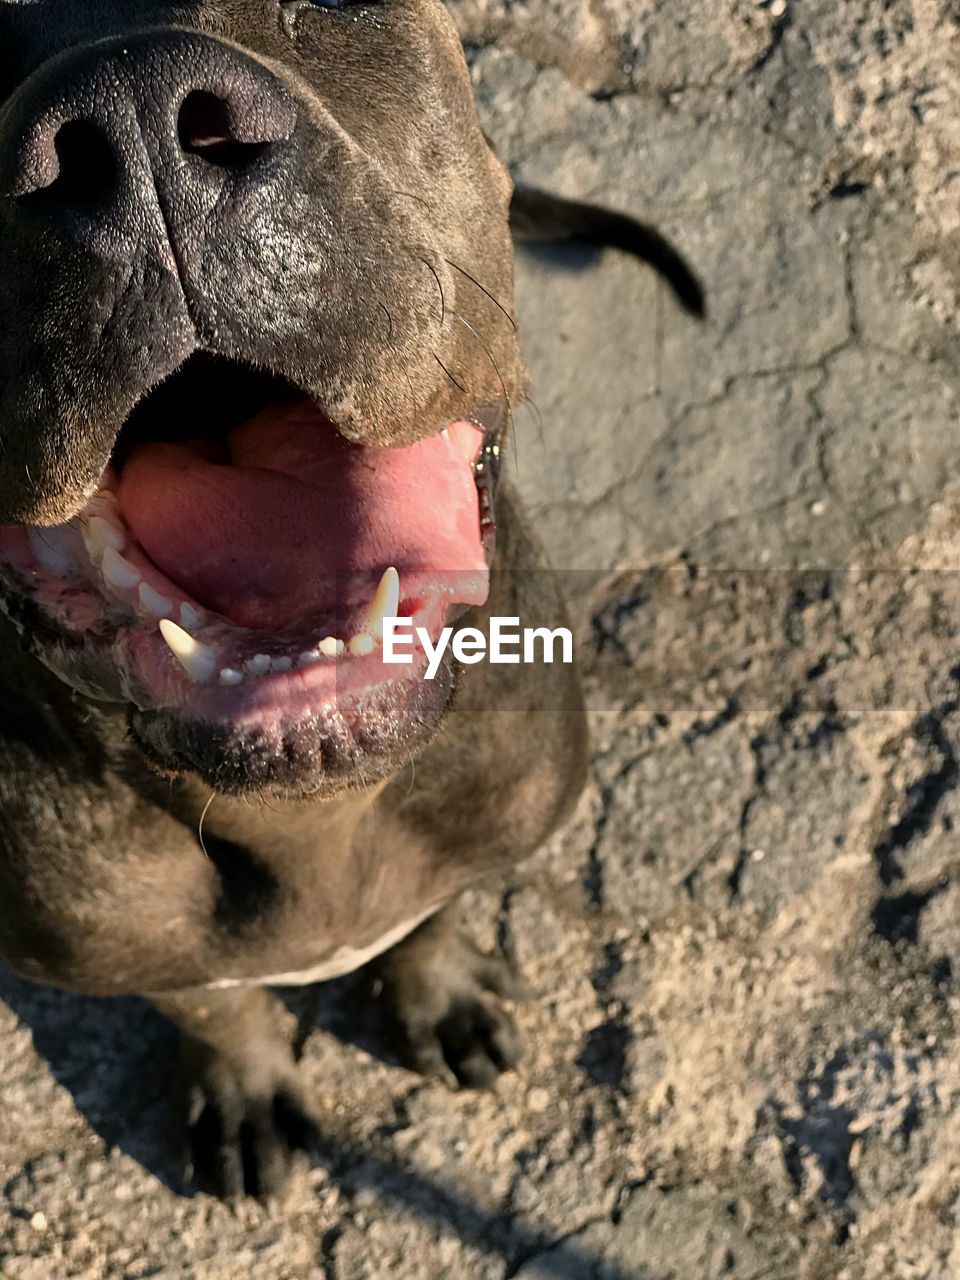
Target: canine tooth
[230,677]
[362,644]
[198,660]
[106,532]
[331,647]
[153,602]
[117,571]
[258,665]
[308,658]
[385,602]
[281,664]
[190,617]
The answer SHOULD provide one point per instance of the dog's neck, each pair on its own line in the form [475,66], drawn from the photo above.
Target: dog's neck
[277,826]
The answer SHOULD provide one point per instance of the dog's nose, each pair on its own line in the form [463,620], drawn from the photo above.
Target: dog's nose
[170,117]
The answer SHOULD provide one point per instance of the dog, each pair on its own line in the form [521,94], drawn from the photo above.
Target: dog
[257,357]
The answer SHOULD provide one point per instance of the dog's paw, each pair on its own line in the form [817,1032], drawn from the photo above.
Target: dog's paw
[445,1004]
[242,1127]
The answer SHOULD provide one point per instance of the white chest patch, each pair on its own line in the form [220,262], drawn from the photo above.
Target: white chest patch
[343,960]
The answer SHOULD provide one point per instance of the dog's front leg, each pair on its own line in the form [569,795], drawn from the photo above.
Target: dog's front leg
[444,997]
[239,1104]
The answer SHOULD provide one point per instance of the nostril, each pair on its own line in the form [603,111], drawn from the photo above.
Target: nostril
[204,123]
[206,128]
[79,167]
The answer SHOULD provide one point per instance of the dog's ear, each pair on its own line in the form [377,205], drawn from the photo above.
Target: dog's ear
[537,217]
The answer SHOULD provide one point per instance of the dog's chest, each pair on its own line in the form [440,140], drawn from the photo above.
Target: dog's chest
[295,898]
[344,960]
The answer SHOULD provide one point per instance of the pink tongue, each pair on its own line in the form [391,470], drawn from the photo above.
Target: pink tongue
[299,520]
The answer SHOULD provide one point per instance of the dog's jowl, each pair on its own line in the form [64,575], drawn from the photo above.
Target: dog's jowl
[256,364]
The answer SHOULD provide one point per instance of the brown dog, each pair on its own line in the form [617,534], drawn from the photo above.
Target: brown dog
[246,245]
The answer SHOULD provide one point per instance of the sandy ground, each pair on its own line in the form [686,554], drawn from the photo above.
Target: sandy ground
[741,1059]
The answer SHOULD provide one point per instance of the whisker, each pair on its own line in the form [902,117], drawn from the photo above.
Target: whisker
[386,312]
[496,301]
[443,302]
[411,195]
[535,410]
[406,372]
[531,404]
[490,357]
[458,385]
[264,803]
[200,824]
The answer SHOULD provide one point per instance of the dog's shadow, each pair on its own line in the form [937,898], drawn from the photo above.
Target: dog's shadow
[116,1057]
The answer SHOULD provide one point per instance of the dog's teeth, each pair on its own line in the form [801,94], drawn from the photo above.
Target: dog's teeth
[230,677]
[191,618]
[281,664]
[101,534]
[328,648]
[362,644]
[119,572]
[258,665]
[384,604]
[198,660]
[153,602]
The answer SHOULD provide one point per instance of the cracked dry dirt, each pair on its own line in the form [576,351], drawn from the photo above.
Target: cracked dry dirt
[742,1058]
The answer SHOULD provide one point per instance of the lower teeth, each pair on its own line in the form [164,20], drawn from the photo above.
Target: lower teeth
[97,539]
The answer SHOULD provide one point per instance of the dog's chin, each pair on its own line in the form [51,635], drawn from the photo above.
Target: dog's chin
[230,580]
[353,744]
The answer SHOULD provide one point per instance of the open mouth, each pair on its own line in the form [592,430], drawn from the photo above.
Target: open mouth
[239,556]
